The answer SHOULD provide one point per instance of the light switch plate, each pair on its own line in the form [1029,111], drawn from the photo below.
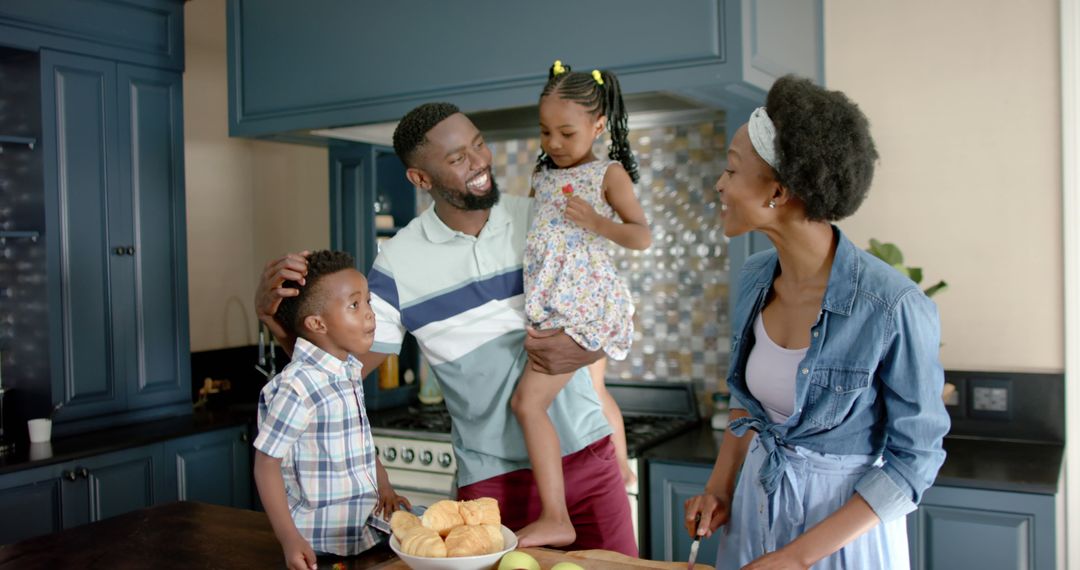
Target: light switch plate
[990,398]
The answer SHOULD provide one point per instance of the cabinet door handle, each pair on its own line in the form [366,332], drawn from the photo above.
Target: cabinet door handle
[84,472]
[119,250]
[244,437]
[130,250]
[69,475]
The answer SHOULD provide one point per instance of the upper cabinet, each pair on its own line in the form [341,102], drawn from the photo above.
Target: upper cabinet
[323,63]
[114,191]
[107,112]
[148,32]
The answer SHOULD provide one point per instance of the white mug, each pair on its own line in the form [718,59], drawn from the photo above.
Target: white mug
[40,430]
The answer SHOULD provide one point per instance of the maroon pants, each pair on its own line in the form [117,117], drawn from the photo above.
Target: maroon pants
[595,497]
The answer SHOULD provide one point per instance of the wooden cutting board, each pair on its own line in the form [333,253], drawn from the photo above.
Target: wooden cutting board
[588,559]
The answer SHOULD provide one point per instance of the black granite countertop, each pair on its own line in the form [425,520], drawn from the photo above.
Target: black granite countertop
[88,444]
[1027,467]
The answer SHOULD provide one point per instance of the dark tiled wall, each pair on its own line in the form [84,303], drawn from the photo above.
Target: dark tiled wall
[24,311]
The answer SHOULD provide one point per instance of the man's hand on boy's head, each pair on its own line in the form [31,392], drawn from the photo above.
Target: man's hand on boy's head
[554,352]
[268,295]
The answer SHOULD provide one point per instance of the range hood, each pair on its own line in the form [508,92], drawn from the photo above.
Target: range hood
[647,110]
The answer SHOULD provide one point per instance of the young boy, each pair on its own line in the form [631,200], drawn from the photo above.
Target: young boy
[315,464]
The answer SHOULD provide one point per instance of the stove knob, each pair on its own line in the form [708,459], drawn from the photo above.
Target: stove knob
[426,457]
[407,455]
[445,459]
[390,454]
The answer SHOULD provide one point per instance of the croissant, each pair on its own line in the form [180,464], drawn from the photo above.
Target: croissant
[421,541]
[470,541]
[402,521]
[494,532]
[480,511]
[442,516]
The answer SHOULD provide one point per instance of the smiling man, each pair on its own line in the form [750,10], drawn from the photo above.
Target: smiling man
[453,279]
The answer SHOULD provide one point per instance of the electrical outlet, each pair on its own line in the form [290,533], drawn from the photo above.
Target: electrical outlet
[990,399]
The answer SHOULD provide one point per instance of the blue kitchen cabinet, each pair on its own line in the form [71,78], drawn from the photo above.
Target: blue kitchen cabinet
[110,484]
[88,360]
[977,528]
[55,497]
[147,32]
[151,180]
[212,467]
[114,194]
[670,485]
[299,66]
[31,504]
[360,176]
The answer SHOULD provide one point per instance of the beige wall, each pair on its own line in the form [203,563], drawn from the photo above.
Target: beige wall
[964,103]
[247,201]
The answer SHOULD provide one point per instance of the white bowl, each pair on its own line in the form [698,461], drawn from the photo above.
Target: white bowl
[482,562]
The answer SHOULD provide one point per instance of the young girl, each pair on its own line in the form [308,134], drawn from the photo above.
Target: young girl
[582,204]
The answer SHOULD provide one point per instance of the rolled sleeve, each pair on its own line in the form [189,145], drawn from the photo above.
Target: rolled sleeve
[883,495]
[284,414]
[915,418]
[389,330]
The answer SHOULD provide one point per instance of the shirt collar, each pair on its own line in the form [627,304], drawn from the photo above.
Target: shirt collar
[843,277]
[438,232]
[350,369]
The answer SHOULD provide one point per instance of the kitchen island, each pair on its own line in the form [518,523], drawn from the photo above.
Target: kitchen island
[174,535]
[196,535]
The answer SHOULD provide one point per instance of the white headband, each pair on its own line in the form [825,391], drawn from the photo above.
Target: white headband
[763,136]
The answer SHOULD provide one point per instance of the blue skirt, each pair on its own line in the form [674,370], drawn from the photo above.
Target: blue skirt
[814,486]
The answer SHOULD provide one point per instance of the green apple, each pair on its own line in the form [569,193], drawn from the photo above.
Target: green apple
[566,566]
[518,560]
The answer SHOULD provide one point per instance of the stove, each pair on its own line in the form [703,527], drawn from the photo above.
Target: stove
[424,421]
[653,412]
[413,442]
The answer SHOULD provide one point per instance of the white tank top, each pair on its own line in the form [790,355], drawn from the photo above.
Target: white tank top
[770,373]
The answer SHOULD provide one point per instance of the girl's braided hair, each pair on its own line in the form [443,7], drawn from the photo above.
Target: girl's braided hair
[598,99]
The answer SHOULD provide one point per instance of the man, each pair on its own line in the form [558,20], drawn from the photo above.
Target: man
[453,279]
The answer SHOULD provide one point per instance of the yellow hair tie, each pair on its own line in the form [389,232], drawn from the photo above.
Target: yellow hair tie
[558,68]
[597,77]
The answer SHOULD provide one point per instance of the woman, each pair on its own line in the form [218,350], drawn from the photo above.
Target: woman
[834,356]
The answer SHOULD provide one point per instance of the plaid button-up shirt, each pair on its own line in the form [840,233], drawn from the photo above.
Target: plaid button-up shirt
[311,416]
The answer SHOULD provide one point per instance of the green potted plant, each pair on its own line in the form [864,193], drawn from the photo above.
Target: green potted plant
[889,253]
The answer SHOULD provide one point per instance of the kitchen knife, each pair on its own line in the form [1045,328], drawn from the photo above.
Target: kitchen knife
[694,545]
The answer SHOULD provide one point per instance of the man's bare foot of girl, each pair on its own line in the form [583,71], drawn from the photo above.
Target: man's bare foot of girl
[547,532]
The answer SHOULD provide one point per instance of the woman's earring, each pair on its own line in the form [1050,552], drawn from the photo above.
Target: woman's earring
[772,203]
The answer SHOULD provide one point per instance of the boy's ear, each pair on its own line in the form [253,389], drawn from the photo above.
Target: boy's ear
[315,324]
[418,178]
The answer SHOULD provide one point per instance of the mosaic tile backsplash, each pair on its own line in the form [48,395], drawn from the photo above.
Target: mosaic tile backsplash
[680,284]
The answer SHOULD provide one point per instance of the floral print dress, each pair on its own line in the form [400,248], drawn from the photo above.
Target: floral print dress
[569,279]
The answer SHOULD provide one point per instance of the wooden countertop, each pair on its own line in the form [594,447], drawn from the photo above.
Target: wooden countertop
[196,535]
[175,535]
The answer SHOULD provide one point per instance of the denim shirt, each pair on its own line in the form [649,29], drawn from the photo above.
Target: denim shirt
[870,383]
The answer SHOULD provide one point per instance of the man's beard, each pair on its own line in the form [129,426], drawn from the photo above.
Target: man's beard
[467,200]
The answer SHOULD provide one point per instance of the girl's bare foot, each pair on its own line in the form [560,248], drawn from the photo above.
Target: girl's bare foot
[547,532]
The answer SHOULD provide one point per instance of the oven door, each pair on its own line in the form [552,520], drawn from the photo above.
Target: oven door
[422,488]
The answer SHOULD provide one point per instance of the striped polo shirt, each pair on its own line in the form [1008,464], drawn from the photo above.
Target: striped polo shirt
[462,297]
